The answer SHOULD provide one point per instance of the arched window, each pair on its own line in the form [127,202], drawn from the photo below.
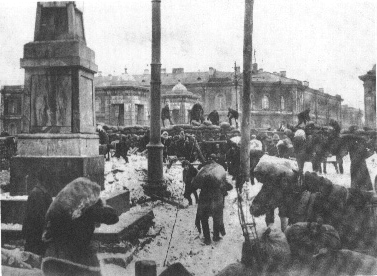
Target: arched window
[265,102]
[282,103]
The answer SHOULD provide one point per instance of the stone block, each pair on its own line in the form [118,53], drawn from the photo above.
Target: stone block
[59,170]
[13,210]
[130,226]
[48,144]
[120,201]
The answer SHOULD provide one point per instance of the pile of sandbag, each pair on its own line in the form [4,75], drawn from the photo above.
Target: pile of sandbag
[270,254]
[16,262]
[274,166]
[309,239]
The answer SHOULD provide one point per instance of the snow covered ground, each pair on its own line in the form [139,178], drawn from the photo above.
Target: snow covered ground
[179,240]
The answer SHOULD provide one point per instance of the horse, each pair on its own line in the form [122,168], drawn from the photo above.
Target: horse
[309,198]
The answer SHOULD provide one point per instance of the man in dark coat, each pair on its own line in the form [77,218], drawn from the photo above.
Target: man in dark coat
[360,177]
[197,113]
[165,115]
[214,117]
[303,117]
[189,172]
[122,148]
[233,114]
[36,208]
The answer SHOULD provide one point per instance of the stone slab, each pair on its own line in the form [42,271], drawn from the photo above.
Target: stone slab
[59,170]
[129,226]
[120,201]
[58,53]
[13,210]
[48,144]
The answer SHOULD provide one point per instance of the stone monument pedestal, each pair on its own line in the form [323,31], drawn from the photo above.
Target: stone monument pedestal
[60,142]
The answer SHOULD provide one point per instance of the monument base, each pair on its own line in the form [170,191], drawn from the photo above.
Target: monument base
[59,170]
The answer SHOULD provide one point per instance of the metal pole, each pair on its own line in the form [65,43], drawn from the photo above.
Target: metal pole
[155,147]
[247,91]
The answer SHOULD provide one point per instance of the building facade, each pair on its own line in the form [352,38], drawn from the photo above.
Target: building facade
[369,82]
[180,102]
[276,100]
[120,101]
[351,116]
[11,113]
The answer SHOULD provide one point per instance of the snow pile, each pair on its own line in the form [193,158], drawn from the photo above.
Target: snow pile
[120,175]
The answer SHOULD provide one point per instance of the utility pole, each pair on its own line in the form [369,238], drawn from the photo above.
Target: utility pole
[236,84]
[247,91]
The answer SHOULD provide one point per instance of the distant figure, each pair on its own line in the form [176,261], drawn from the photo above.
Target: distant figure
[233,114]
[189,172]
[197,113]
[165,115]
[38,202]
[335,126]
[122,148]
[214,117]
[303,117]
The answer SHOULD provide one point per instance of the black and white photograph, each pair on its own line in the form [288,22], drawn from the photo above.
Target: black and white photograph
[188,138]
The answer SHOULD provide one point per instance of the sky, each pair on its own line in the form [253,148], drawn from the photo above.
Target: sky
[327,43]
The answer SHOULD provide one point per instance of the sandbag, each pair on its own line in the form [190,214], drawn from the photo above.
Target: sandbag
[207,123]
[344,262]
[308,239]
[211,174]
[74,199]
[271,249]
[224,125]
[275,166]
[300,133]
[195,123]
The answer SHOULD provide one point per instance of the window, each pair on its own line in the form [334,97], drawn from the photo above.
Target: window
[265,102]
[98,104]
[282,103]
[220,102]
[12,107]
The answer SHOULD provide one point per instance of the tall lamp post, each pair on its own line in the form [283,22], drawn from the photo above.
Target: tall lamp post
[156,184]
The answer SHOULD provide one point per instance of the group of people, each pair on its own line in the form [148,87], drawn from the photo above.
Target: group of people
[197,115]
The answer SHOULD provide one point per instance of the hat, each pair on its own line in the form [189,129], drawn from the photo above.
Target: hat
[275,137]
[165,134]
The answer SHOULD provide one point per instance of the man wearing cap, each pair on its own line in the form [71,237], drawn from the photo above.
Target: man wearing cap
[166,141]
[233,114]
[189,172]
[165,114]
[303,117]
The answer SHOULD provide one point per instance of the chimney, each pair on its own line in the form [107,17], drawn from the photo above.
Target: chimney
[178,70]
[283,73]
[238,69]
[211,71]
[255,68]
[260,70]
[125,70]
[321,90]
[146,71]
[306,83]
[163,70]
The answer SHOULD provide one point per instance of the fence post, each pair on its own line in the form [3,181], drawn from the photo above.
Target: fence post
[145,268]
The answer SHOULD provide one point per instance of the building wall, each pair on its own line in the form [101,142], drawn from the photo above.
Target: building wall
[122,105]
[12,98]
